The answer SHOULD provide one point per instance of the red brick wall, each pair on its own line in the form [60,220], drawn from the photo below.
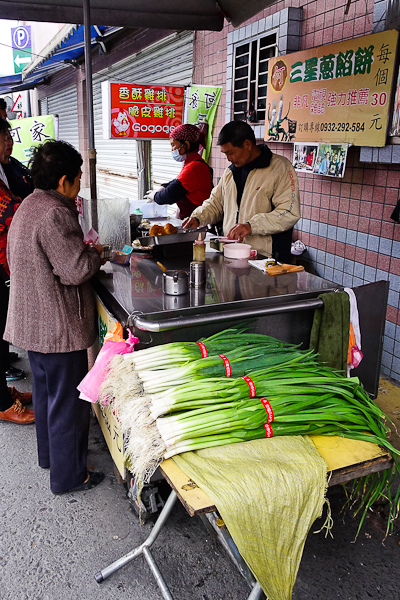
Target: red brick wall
[360,202]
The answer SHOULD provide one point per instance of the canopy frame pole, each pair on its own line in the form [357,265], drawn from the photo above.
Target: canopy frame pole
[90,117]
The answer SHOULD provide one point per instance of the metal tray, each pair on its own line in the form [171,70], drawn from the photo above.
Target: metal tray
[183,235]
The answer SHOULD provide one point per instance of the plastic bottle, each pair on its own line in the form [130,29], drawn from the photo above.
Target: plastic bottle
[199,249]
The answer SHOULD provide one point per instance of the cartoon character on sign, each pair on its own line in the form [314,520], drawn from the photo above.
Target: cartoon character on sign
[121,123]
[276,130]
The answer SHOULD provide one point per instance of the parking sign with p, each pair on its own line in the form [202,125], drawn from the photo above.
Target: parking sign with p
[21,43]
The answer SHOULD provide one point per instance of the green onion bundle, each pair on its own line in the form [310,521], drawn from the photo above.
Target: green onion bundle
[157,364]
[179,353]
[237,363]
[171,402]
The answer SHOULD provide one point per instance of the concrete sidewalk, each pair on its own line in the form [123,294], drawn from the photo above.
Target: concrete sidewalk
[51,546]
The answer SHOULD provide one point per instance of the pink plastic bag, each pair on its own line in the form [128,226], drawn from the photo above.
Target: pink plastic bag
[90,384]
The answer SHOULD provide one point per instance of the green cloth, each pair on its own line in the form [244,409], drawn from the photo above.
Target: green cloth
[268,492]
[330,330]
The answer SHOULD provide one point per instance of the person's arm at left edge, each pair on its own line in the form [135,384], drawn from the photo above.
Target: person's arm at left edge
[286,200]
[172,193]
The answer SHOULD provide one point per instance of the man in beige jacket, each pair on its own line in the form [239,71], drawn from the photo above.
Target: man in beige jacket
[257,197]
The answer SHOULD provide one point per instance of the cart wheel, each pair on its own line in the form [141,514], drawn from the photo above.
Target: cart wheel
[146,506]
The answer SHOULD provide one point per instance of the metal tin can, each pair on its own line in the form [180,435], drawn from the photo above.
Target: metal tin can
[197,296]
[175,282]
[197,274]
[107,252]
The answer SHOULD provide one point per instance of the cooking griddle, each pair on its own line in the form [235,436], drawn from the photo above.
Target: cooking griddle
[183,236]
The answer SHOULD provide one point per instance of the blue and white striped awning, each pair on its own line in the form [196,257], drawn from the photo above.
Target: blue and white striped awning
[67,47]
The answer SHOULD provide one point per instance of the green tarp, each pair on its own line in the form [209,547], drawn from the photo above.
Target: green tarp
[268,492]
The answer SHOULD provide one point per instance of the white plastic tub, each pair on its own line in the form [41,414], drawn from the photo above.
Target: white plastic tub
[150,210]
[237,250]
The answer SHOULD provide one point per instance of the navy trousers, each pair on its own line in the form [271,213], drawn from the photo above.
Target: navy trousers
[62,419]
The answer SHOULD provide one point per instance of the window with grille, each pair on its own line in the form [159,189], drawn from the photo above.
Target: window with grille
[250,76]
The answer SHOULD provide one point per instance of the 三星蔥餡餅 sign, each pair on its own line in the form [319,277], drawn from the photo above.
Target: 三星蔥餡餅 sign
[140,111]
[336,93]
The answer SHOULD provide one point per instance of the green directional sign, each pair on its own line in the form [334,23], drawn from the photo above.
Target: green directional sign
[21,58]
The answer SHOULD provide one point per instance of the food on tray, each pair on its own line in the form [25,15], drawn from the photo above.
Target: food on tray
[157,230]
[160,230]
[170,229]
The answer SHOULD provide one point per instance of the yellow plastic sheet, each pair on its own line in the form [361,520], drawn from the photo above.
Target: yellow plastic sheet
[268,492]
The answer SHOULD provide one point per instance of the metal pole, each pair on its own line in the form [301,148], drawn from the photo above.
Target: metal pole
[28,103]
[145,179]
[89,101]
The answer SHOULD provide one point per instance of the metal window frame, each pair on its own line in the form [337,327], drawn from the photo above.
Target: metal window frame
[250,82]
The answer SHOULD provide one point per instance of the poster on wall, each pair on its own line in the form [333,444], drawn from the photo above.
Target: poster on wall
[30,132]
[304,157]
[201,109]
[320,159]
[147,112]
[338,93]
[331,160]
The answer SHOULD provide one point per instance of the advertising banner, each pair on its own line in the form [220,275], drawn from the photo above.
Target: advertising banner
[30,132]
[202,104]
[146,112]
[336,93]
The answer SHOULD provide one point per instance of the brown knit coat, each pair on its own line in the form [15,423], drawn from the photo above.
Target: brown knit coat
[51,302]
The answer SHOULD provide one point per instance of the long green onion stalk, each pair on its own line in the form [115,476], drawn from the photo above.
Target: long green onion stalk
[153,363]
[236,363]
[179,353]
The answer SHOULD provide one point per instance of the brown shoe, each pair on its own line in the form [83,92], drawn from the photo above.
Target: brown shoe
[17,414]
[23,397]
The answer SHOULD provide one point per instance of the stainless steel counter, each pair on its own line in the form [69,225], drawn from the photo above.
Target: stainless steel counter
[234,292]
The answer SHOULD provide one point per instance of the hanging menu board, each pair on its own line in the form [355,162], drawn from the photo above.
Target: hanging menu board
[337,93]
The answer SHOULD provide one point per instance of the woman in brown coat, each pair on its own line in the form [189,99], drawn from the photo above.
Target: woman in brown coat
[51,312]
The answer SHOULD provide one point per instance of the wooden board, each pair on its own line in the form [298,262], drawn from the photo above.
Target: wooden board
[192,497]
[346,460]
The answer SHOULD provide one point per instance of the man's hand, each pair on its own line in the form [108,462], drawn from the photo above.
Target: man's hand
[239,231]
[190,223]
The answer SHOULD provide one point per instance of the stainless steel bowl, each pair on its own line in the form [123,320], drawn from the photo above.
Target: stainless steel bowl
[175,283]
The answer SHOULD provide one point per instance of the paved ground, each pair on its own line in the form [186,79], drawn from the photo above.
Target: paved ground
[51,546]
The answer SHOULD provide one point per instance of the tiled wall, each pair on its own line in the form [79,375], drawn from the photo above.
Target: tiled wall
[345,223]
[351,239]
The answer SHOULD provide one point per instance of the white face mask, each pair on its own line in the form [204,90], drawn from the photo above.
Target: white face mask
[178,157]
